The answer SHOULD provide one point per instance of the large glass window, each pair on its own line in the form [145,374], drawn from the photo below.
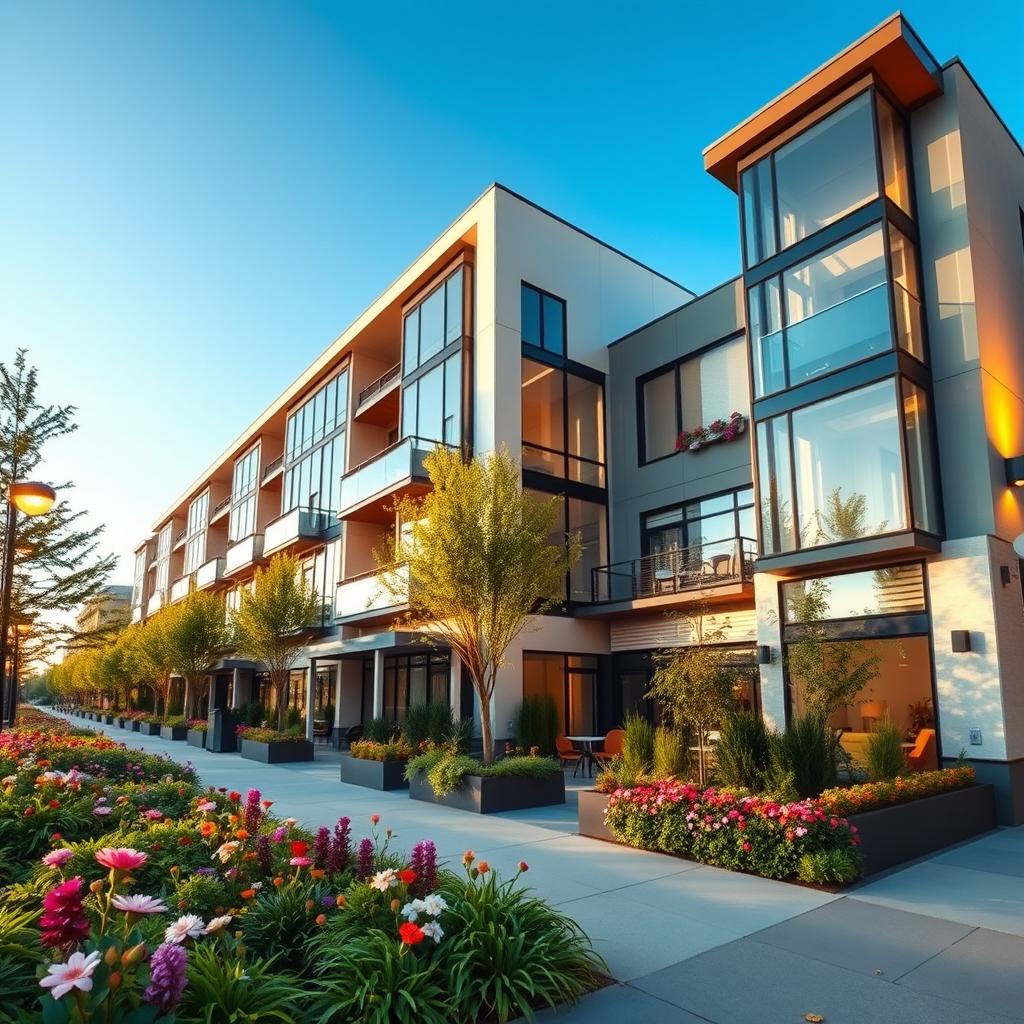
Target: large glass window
[317,418]
[563,424]
[431,404]
[542,320]
[570,680]
[894,590]
[242,518]
[138,580]
[414,679]
[819,177]
[589,520]
[893,144]
[707,526]
[163,558]
[195,531]
[845,457]
[696,391]
[436,322]
[921,460]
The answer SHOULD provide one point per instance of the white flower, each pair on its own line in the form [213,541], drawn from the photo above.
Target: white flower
[76,973]
[139,904]
[256,886]
[188,926]
[226,851]
[384,880]
[434,904]
[217,924]
[412,910]
[433,930]
[9,780]
[291,822]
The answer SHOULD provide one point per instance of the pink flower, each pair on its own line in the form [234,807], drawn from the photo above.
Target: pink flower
[58,858]
[139,904]
[120,858]
[188,926]
[100,811]
[300,862]
[76,973]
[154,815]
[206,805]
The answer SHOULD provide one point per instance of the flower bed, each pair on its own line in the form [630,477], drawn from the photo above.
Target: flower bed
[175,728]
[872,795]
[209,908]
[775,840]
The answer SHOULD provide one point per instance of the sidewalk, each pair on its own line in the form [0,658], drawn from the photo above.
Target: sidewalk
[941,941]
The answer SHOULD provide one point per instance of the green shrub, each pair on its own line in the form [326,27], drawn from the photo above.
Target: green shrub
[200,894]
[830,867]
[278,922]
[253,713]
[174,709]
[445,768]
[393,750]
[439,721]
[537,723]
[670,754]
[416,726]
[379,730]
[803,756]
[460,736]
[175,721]
[637,758]
[293,719]
[742,753]
[884,754]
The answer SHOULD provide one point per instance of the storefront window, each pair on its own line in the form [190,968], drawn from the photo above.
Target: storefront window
[570,680]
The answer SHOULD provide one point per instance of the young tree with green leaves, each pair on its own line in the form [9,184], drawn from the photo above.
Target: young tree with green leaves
[271,620]
[195,634]
[150,652]
[475,562]
[693,684]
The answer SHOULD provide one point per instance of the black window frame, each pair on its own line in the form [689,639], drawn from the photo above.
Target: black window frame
[645,532]
[570,670]
[425,365]
[542,293]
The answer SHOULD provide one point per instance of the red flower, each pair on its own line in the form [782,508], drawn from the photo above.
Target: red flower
[407,875]
[410,933]
[234,796]
[63,922]
[299,848]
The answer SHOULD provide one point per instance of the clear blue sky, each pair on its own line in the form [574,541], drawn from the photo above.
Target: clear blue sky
[196,198]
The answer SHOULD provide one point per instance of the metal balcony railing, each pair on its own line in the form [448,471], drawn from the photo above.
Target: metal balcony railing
[697,567]
[380,384]
[273,467]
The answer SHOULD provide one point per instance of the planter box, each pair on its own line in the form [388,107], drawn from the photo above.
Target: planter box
[149,728]
[109,719]
[135,725]
[893,835]
[592,806]
[173,732]
[491,794]
[120,722]
[197,738]
[276,753]
[383,775]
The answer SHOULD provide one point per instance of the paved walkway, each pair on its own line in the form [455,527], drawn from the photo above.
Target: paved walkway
[940,942]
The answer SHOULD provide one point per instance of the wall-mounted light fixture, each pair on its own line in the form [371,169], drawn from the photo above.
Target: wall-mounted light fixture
[764,654]
[960,640]
[1014,471]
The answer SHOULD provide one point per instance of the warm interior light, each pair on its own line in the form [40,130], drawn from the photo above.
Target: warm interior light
[31,497]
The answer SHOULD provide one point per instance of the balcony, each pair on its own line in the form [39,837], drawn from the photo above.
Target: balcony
[209,573]
[180,588]
[707,571]
[179,540]
[243,554]
[155,602]
[136,613]
[378,402]
[363,597]
[273,469]
[220,509]
[368,490]
[299,529]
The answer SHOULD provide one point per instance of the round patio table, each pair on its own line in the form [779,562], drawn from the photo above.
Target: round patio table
[587,742]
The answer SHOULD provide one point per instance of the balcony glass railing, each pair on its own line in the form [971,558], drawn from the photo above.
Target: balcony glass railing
[298,524]
[380,385]
[244,552]
[209,572]
[179,588]
[155,603]
[361,594]
[376,476]
[698,567]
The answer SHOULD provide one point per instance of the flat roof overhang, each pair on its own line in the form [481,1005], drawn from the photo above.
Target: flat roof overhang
[892,52]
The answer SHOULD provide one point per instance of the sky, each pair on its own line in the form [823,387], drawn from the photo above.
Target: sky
[197,198]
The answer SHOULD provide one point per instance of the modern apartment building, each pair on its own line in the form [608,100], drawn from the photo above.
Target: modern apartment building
[860,389]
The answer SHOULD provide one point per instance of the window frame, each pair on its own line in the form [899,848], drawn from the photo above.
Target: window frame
[439,282]
[675,367]
[567,671]
[681,506]
[542,293]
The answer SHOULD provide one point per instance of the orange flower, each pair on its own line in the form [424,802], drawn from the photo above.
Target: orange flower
[340,901]
[279,881]
[317,872]
[407,875]
[207,828]
[247,894]
[321,919]
[233,818]
[242,833]
[468,857]
[374,819]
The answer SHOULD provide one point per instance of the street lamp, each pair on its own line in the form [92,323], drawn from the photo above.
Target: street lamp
[31,498]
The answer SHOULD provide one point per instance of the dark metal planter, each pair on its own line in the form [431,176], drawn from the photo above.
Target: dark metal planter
[173,732]
[894,835]
[149,728]
[276,753]
[592,805]
[120,722]
[135,725]
[197,738]
[382,775]
[109,719]
[491,794]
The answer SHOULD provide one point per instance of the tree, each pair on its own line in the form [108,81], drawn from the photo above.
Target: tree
[271,619]
[475,562]
[693,684]
[58,566]
[195,633]
[826,675]
[151,655]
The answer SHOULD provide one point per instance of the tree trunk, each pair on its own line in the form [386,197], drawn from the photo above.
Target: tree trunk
[186,707]
[485,723]
[282,710]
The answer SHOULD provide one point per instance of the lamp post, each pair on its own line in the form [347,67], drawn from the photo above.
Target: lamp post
[32,499]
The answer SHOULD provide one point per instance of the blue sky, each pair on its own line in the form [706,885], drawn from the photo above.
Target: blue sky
[196,198]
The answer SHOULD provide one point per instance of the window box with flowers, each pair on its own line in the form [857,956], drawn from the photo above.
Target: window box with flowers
[273,747]
[717,430]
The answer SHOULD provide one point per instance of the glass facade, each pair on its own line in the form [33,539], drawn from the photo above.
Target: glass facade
[570,680]
[242,518]
[314,454]
[410,680]
[433,324]
[702,388]
[705,528]
[195,531]
[895,590]
[139,579]
[163,559]
[542,320]
[432,404]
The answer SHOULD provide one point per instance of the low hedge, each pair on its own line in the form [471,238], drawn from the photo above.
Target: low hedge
[872,795]
[371,750]
[258,735]
[445,769]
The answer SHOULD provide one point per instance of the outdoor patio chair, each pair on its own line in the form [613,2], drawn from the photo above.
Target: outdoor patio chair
[612,746]
[568,754]
[321,731]
[922,757]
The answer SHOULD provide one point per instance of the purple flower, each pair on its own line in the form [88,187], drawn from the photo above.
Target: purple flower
[208,872]
[364,860]
[167,976]
[263,857]
[423,860]
[253,811]
[341,847]
[327,901]
[279,833]
[322,848]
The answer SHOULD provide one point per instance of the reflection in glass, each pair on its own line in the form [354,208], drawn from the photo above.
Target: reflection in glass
[906,294]
[543,418]
[713,384]
[660,429]
[776,486]
[758,212]
[894,590]
[921,466]
[588,519]
[764,303]
[892,140]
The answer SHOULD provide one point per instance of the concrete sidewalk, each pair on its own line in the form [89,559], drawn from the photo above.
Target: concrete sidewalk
[940,941]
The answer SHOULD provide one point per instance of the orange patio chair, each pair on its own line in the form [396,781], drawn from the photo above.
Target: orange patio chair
[568,754]
[922,757]
[612,746]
